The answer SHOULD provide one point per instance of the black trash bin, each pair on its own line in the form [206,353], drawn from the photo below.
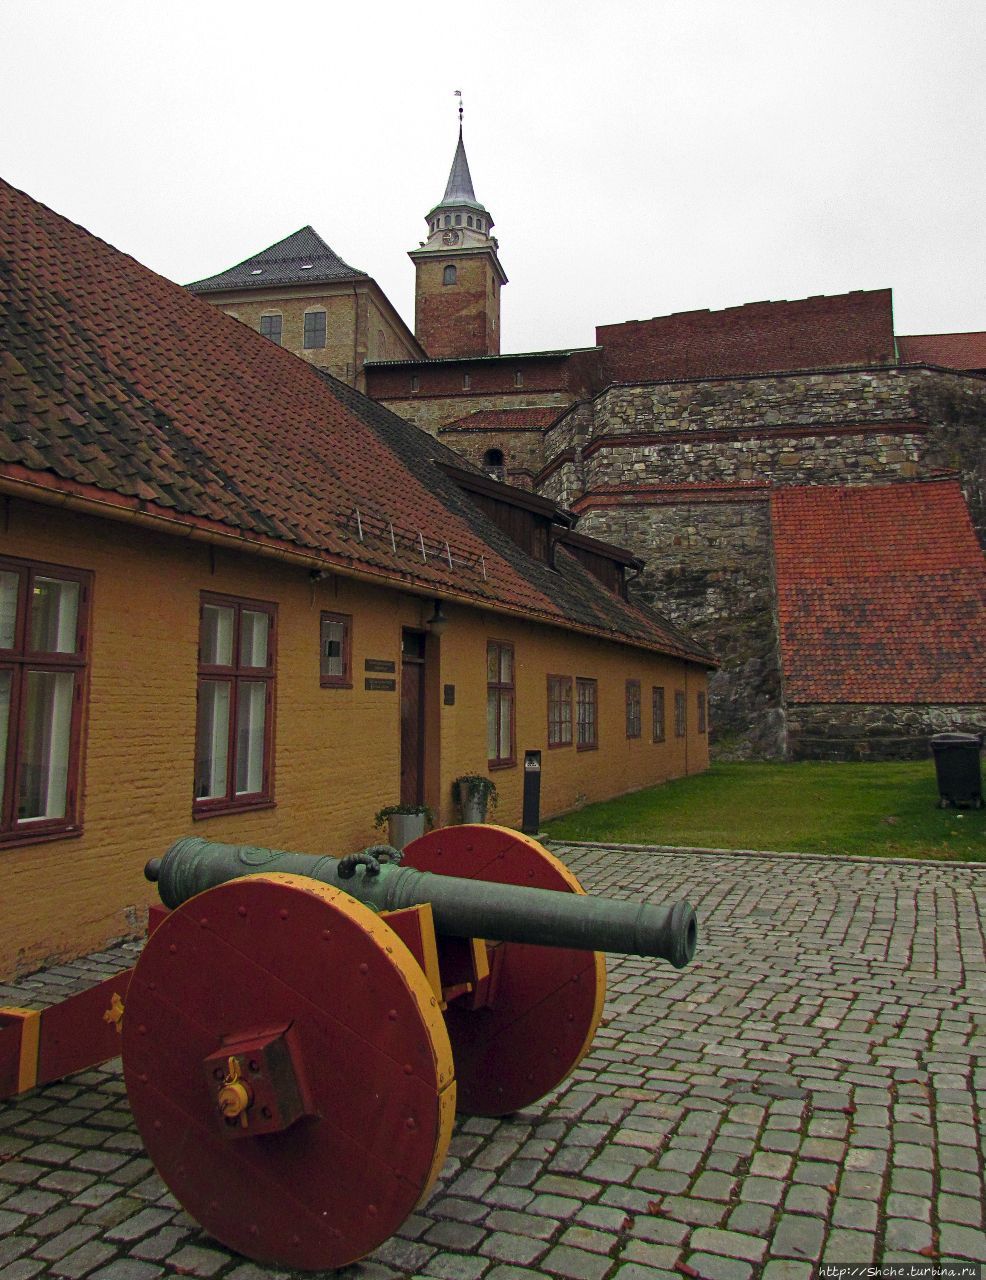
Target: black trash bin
[957,766]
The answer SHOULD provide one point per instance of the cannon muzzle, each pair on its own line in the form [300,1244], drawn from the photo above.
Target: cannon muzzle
[462,908]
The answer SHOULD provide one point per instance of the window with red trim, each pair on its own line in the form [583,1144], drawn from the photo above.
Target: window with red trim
[234,730]
[335,666]
[633,708]
[680,713]
[559,711]
[657,711]
[44,615]
[587,714]
[500,702]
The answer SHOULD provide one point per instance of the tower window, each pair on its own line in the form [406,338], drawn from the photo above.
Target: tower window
[458,219]
[449,275]
[469,220]
[448,219]
[479,223]
[518,379]
[415,382]
[466,382]
[270,327]
[314,329]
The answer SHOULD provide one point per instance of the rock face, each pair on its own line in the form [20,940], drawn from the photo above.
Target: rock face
[681,474]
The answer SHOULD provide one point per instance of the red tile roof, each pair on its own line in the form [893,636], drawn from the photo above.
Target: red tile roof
[950,350]
[118,386]
[506,419]
[761,337]
[881,594]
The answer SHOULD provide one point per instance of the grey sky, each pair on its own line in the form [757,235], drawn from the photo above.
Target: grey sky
[638,158]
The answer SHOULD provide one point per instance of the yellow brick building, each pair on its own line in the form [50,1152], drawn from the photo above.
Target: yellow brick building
[239,599]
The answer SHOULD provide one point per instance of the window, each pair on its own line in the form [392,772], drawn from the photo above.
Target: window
[415,382]
[633,708]
[458,219]
[466,382]
[559,711]
[493,462]
[701,713]
[586,725]
[448,219]
[270,327]
[234,738]
[679,713]
[500,702]
[448,276]
[44,614]
[469,220]
[479,223]
[518,379]
[314,329]
[335,651]
[657,711]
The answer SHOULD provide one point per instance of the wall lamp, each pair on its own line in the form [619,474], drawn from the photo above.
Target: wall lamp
[437,623]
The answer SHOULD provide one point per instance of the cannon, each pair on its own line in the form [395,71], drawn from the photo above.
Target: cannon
[298,1032]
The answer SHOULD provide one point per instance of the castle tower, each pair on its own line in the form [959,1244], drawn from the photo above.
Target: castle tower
[457,291]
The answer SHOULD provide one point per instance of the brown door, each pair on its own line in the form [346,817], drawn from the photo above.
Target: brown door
[412,717]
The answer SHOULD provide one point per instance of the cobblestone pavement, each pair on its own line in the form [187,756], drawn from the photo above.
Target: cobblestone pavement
[812,1088]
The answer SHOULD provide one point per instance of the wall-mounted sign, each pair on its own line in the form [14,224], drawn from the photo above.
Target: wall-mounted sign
[380,686]
[449,692]
[379,664]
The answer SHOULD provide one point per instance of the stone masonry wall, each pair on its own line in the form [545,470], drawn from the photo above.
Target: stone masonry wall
[619,459]
[874,731]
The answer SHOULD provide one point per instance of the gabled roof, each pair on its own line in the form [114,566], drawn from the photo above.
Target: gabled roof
[301,258]
[881,594]
[950,350]
[124,394]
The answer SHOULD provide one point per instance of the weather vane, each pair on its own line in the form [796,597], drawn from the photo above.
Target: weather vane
[458,94]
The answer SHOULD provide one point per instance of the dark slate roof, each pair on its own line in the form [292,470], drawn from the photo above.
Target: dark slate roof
[458,189]
[301,258]
[119,387]
[881,594]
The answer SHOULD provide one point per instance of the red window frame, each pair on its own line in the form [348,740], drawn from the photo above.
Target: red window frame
[680,714]
[345,680]
[634,715]
[657,713]
[560,700]
[20,660]
[235,674]
[586,713]
[503,694]
[702,713]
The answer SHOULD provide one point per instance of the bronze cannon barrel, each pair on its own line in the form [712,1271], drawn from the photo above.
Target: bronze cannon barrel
[461,908]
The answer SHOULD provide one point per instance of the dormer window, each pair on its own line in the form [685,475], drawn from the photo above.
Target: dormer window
[449,275]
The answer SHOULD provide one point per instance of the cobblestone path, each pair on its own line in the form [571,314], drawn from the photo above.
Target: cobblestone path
[812,1088]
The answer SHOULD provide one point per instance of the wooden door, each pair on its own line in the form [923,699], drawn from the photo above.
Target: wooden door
[412,716]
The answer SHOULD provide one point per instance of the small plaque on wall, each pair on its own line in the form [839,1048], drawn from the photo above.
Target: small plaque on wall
[379,664]
[449,698]
[380,686]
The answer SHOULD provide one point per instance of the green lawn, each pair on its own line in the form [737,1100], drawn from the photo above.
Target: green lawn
[887,810]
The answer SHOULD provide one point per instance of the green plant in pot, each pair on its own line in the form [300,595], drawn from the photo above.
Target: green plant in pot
[475,795]
[404,822]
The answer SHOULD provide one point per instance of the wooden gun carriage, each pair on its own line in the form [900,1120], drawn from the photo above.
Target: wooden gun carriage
[298,1032]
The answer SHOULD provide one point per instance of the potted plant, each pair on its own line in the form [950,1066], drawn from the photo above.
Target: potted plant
[474,795]
[404,822]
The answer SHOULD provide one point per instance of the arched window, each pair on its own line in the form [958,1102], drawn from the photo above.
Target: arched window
[458,219]
[493,462]
[448,219]
[469,219]
[448,276]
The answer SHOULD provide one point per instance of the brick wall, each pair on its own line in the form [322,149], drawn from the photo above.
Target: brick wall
[460,319]
[854,328]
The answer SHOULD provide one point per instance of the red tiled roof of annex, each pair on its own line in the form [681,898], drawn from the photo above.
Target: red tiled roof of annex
[950,350]
[505,419]
[118,386]
[760,337]
[881,594]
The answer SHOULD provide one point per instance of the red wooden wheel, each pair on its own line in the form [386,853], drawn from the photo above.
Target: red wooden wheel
[301,1014]
[548,1000]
